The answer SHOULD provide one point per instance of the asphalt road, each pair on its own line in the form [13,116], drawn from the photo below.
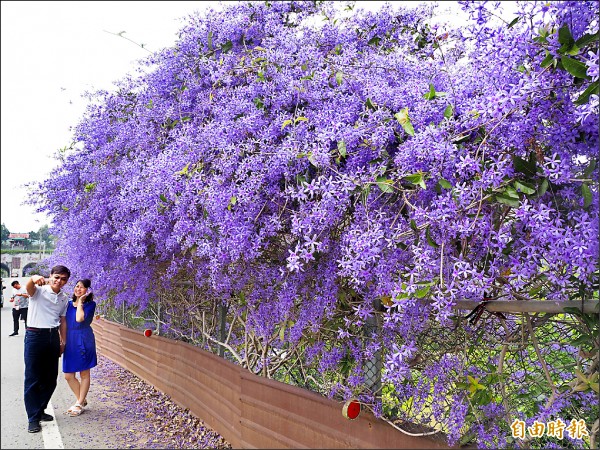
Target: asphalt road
[97,427]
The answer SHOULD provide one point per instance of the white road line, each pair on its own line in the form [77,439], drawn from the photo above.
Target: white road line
[50,431]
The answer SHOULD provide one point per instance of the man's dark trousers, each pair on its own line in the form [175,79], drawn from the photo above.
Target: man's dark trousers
[16,313]
[24,315]
[42,351]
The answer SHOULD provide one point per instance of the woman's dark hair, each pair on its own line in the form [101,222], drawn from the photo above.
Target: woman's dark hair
[86,284]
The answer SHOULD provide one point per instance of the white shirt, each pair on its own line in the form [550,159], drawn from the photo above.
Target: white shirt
[20,302]
[46,307]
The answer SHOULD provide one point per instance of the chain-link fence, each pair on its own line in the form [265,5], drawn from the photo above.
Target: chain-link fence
[479,375]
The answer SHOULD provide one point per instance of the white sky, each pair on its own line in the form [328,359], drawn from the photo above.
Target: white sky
[54,51]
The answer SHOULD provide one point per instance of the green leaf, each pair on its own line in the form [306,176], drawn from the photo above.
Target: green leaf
[413,226]
[565,39]
[586,39]
[232,202]
[547,60]
[163,198]
[574,67]
[510,192]
[527,168]
[286,123]
[510,201]
[416,178]
[341,146]
[573,310]
[535,291]
[404,120]
[184,171]
[590,168]
[90,187]
[444,183]
[385,184]
[431,94]
[481,397]
[369,104]
[430,240]
[409,129]
[513,23]
[339,76]
[468,438]
[226,46]
[422,292]
[300,179]
[542,37]
[587,195]
[258,103]
[593,88]
[574,51]
[448,112]
[402,116]
[300,119]
[581,340]
[543,187]
[524,187]
[282,331]
[374,41]
[308,77]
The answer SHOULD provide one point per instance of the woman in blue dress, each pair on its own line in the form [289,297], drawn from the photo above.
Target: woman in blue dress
[80,349]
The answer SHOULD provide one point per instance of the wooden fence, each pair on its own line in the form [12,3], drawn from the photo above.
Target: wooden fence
[249,411]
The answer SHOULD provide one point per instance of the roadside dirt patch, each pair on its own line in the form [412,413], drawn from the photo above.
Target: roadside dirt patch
[140,416]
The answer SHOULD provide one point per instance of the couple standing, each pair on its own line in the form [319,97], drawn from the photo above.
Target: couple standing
[57,326]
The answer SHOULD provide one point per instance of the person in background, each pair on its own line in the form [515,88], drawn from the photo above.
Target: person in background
[80,350]
[20,301]
[2,293]
[45,338]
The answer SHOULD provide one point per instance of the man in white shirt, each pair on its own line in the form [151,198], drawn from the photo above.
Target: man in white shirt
[20,301]
[45,339]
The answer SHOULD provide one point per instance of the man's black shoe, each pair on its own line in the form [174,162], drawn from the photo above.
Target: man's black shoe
[34,427]
[47,417]
[13,334]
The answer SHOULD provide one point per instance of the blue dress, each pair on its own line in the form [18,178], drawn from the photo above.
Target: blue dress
[80,348]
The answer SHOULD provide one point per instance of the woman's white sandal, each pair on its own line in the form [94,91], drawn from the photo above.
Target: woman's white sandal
[75,410]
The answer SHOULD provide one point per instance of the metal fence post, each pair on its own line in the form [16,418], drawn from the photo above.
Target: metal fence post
[373,366]
[222,328]
[158,314]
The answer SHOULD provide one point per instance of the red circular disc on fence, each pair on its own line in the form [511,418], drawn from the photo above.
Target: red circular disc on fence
[97,316]
[351,409]
[147,333]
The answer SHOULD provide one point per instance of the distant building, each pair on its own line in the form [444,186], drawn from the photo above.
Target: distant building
[17,239]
